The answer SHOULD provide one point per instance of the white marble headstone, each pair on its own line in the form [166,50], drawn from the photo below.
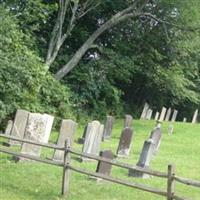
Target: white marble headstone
[38,129]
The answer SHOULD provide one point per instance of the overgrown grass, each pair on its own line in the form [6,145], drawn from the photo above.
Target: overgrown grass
[35,181]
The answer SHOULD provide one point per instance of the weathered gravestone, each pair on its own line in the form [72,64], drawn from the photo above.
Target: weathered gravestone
[97,141]
[157,116]
[144,160]
[162,114]
[168,114]
[184,119]
[174,116]
[108,127]
[158,124]
[49,123]
[144,112]
[9,127]
[103,167]
[194,119]
[156,136]
[125,142]
[128,121]
[93,138]
[38,129]
[67,131]
[82,139]
[170,129]
[149,114]
[19,125]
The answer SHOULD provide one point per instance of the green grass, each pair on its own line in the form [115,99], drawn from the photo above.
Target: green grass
[35,181]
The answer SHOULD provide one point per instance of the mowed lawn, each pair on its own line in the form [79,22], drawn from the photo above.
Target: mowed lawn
[36,181]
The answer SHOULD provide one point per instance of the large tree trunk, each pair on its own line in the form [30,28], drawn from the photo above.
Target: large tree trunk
[61,33]
[116,19]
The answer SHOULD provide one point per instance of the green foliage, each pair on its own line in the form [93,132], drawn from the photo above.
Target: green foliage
[54,98]
[140,59]
[21,70]
[24,81]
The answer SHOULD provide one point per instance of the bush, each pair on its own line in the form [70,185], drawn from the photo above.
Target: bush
[24,81]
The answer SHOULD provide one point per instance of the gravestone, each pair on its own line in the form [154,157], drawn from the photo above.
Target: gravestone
[103,167]
[184,119]
[19,125]
[170,129]
[108,127]
[9,127]
[174,116]
[194,119]
[38,129]
[93,133]
[149,114]
[67,131]
[82,139]
[158,124]
[162,114]
[156,136]
[157,116]
[97,141]
[128,121]
[144,160]
[125,142]
[168,114]
[144,112]
[48,126]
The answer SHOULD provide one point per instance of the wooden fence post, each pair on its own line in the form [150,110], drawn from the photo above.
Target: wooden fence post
[170,182]
[66,170]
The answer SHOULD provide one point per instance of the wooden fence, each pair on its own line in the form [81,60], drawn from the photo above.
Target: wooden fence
[170,176]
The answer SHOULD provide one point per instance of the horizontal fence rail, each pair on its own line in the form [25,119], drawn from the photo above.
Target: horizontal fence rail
[51,162]
[119,181]
[187,181]
[119,164]
[66,164]
[52,146]
[180,198]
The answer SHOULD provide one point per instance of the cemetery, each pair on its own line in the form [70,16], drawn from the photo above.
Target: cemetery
[99,100]
[135,155]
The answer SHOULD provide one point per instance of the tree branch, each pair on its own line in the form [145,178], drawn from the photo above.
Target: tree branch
[58,35]
[116,19]
[150,16]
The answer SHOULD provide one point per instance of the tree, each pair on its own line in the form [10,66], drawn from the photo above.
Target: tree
[24,80]
[57,39]
[152,56]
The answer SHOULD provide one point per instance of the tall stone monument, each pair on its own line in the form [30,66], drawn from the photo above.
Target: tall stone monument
[125,142]
[19,125]
[156,136]
[144,112]
[149,114]
[174,116]
[9,127]
[108,127]
[92,139]
[144,160]
[67,131]
[157,116]
[128,121]
[162,114]
[194,119]
[169,110]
